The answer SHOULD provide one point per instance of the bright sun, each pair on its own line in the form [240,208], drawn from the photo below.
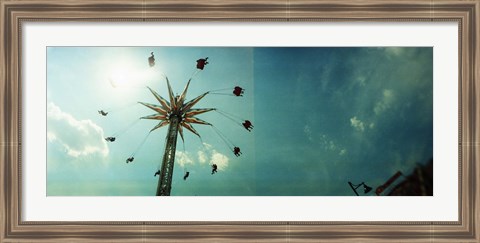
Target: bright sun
[128,75]
[120,78]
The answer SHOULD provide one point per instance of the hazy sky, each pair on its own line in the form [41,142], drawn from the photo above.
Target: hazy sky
[321,116]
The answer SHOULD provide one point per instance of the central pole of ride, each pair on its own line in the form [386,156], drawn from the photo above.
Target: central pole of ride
[165,181]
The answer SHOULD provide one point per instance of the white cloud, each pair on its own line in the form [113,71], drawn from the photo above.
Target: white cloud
[357,124]
[308,132]
[217,158]
[385,102]
[207,146]
[361,81]
[220,159]
[330,145]
[202,157]
[208,154]
[183,158]
[78,138]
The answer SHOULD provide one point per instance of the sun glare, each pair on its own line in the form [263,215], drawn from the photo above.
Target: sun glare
[129,75]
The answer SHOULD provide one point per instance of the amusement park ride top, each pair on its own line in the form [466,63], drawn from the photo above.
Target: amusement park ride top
[178,114]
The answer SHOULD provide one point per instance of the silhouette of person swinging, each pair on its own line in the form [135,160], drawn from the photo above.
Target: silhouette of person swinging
[248,125]
[236,151]
[186,175]
[157,173]
[214,169]
[110,139]
[201,63]
[103,113]
[238,91]
[151,60]
[129,160]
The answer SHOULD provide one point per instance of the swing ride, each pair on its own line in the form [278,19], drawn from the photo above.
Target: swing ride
[151,60]
[178,114]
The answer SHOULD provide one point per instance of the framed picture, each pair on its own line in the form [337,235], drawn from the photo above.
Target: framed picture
[262,121]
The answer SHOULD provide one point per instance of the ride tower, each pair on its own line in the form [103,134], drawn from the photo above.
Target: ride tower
[177,115]
[165,181]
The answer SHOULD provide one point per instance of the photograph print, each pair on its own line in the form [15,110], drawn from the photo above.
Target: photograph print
[239,121]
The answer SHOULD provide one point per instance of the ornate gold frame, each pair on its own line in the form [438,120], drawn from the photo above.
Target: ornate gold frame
[15,12]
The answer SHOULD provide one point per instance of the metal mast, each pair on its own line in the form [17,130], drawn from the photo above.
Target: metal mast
[166,172]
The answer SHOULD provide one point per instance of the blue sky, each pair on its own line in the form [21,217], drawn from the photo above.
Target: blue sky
[322,117]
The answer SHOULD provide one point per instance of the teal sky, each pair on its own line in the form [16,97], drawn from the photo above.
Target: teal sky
[321,116]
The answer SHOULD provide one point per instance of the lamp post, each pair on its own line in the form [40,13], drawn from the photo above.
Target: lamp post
[366,188]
